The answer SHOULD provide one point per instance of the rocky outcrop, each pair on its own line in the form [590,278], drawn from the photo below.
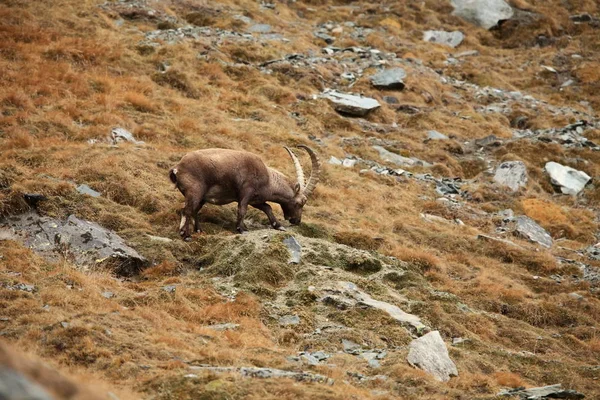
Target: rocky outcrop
[86,242]
[430,354]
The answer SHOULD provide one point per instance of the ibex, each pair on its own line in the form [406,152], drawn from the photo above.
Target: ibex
[222,176]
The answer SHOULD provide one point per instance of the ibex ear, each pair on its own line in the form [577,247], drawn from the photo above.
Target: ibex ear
[296,189]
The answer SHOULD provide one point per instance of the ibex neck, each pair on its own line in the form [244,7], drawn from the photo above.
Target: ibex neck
[282,190]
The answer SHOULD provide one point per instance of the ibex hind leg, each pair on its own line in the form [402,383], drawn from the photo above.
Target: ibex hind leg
[197,217]
[193,203]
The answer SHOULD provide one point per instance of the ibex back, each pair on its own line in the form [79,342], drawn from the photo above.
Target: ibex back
[222,176]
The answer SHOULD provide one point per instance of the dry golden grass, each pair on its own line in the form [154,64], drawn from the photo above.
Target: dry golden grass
[69,76]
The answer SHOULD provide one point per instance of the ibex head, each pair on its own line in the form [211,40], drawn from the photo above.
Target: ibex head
[292,210]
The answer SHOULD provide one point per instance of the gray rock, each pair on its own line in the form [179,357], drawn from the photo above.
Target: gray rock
[350,104]
[335,161]
[224,327]
[320,355]
[484,13]
[451,39]
[87,242]
[260,28]
[169,288]
[430,354]
[120,134]
[108,295]
[576,296]
[288,320]
[327,38]
[349,162]
[458,340]
[391,100]
[530,230]
[350,347]
[64,324]
[15,386]
[512,174]
[544,392]
[435,135]
[390,79]
[23,287]
[568,180]
[294,248]
[490,140]
[85,189]
[394,158]
[309,359]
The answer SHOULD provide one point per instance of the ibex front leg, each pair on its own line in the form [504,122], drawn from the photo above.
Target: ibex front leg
[264,207]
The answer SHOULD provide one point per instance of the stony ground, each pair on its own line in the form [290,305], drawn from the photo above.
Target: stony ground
[449,250]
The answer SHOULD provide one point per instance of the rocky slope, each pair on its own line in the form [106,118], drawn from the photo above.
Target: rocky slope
[449,250]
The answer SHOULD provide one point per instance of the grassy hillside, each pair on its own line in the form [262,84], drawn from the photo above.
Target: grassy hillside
[182,75]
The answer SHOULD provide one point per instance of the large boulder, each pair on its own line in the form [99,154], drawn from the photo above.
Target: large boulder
[350,104]
[512,174]
[430,354]
[451,39]
[568,180]
[391,79]
[484,13]
[87,243]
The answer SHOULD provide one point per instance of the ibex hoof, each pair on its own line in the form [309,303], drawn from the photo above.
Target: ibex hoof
[187,239]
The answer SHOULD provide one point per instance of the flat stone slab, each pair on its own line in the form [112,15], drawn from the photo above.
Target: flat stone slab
[435,135]
[362,298]
[85,189]
[568,180]
[530,230]
[484,13]
[87,243]
[390,79]
[294,248]
[544,392]
[394,158]
[430,354]
[350,104]
[512,174]
[452,39]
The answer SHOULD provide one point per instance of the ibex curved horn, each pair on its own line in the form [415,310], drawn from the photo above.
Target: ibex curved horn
[314,173]
[299,170]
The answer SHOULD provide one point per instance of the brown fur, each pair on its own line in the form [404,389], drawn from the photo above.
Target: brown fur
[223,176]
